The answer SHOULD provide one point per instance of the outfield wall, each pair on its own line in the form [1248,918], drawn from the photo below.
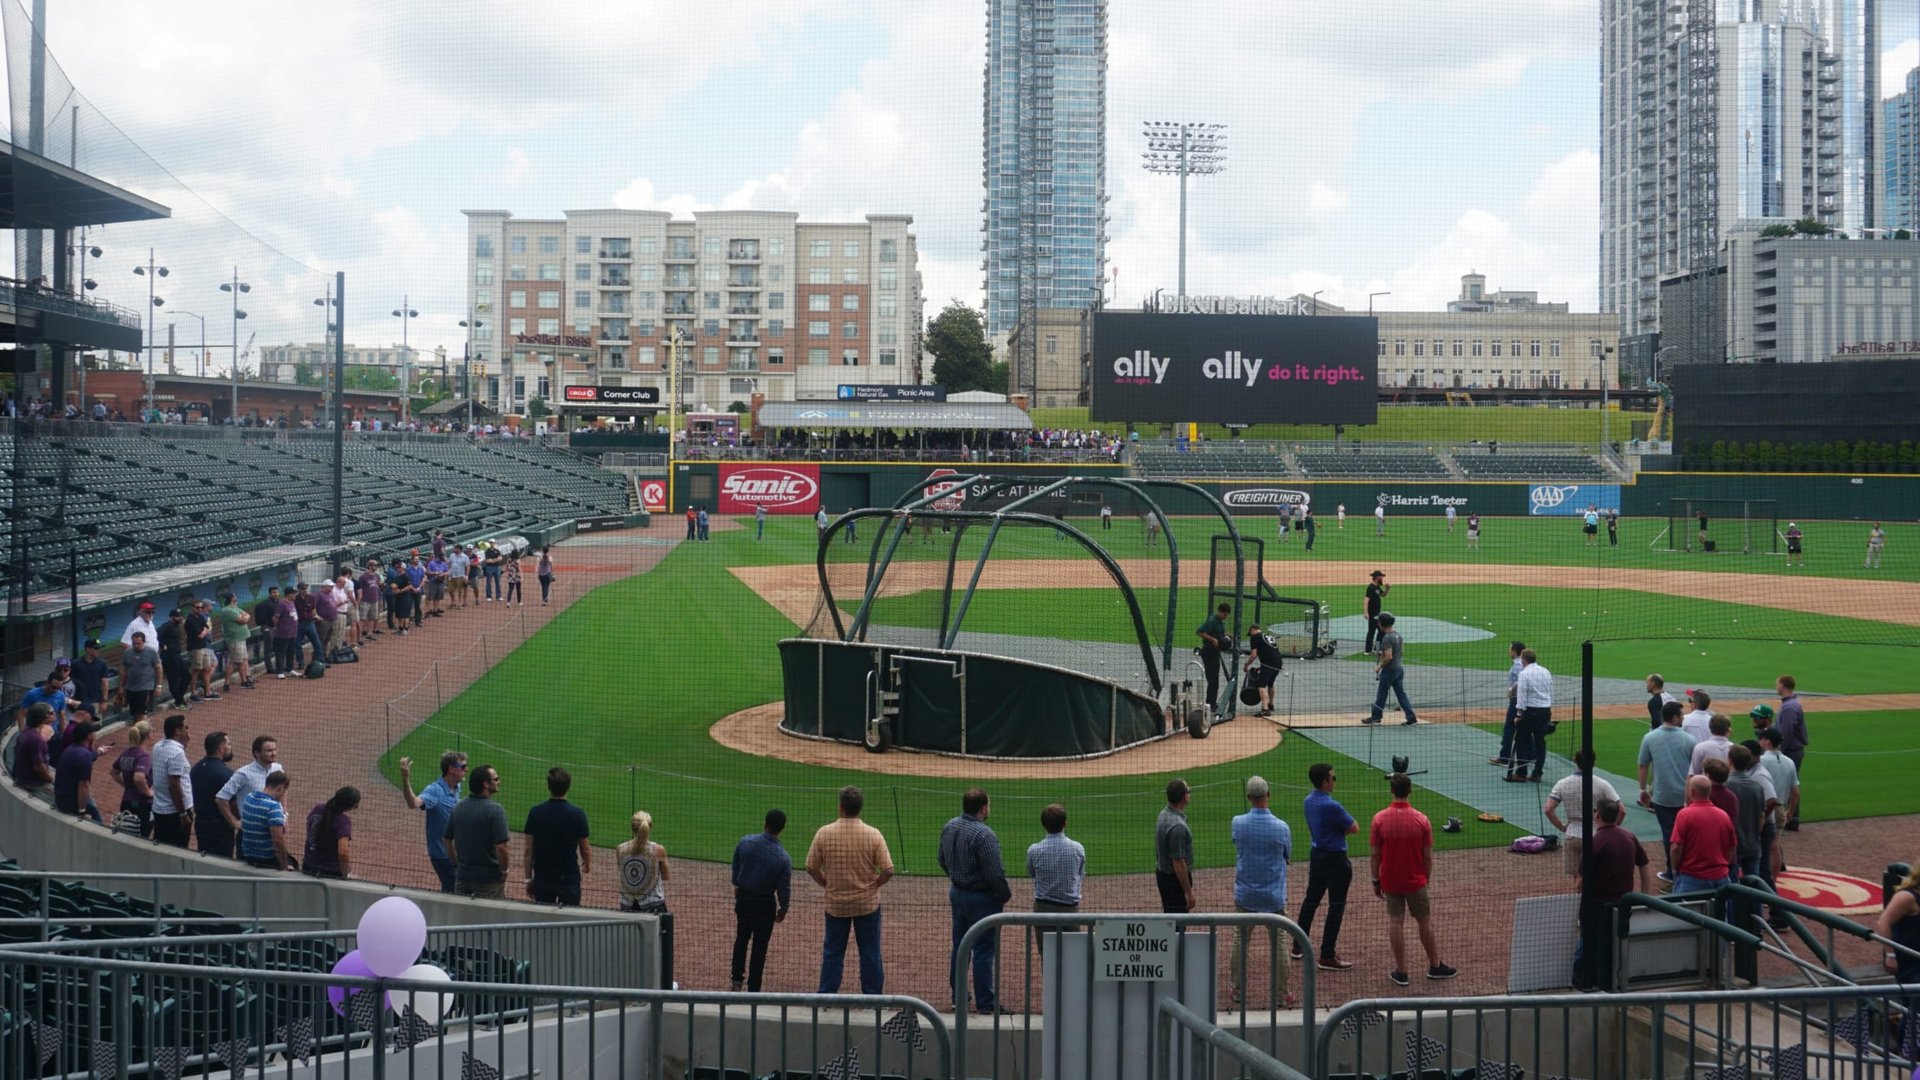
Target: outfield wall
[1883,497]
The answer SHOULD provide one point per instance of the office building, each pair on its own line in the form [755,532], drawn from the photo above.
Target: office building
[1798,300]
[759,302]
[1044,157]
[1493,340]
[1716,113]
[312,362]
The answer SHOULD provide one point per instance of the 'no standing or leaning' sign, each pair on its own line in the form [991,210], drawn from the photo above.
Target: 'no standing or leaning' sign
[1133,951]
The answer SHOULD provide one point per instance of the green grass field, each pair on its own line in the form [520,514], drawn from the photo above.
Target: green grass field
[623,687]
[1860,763]
[1407,423]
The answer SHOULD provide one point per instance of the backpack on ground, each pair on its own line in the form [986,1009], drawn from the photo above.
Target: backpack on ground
[345,654]
[316,669]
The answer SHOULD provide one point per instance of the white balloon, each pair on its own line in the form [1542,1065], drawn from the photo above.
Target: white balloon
[427,1006]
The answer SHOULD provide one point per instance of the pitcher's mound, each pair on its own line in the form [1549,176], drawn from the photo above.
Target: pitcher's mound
[757,731]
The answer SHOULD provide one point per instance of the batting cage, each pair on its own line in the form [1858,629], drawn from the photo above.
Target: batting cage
[1724,526]
[983,616]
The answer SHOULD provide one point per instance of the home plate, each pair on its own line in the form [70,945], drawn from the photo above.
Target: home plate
[1840,894]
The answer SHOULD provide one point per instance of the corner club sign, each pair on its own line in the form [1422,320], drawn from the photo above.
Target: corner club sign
[781,489]
[1234,369]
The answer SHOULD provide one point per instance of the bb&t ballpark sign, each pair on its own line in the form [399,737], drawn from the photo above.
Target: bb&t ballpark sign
[1162,304]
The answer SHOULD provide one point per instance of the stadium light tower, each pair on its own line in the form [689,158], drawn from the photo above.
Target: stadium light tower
[236,287]
[1184,149]
[405,314]
[152,271]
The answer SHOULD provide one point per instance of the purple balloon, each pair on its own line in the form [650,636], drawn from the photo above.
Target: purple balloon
[350,965]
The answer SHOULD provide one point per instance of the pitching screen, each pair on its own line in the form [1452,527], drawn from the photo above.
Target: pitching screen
[1234,369]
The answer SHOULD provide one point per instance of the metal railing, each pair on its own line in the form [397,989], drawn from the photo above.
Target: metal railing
[933,454]
[610,952]
[1205,1036]
[1653,1034]
[56,905]
[1041,930]
[71,1016]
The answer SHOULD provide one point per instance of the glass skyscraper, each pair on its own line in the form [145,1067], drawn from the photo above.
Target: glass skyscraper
[1044,158]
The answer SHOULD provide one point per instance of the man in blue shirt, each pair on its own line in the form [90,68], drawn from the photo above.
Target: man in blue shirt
[762,892]
[53,692]
[1329,870]
[977,888]
[1666,754]
[438,801]
[1262,844]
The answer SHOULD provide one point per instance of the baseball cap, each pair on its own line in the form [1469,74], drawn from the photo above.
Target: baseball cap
[93,643]
[63,662]
[1378,573]
[1761,712]
[147,606]
[1257,787]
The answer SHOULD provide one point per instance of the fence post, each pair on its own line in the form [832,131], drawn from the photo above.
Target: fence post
[439,698]
[122,1023]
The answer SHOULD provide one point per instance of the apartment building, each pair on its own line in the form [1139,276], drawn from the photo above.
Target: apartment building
[751,302]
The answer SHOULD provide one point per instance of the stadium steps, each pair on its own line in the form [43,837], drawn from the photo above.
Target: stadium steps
[1448,463]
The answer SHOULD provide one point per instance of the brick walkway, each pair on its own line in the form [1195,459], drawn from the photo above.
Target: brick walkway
[332,733]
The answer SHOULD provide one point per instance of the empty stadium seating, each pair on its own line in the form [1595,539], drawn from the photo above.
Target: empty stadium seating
[1520,463]
[143,501]
[1367,463]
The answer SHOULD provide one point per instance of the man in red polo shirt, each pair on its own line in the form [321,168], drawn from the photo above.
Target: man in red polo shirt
[1703,841]
[1402,842]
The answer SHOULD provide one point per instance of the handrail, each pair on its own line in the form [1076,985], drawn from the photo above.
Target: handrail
[125,944]
[1688,915]
[1211,1036]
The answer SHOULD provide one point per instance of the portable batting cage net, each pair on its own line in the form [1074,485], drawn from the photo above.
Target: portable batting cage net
[1723,526]
[988,616]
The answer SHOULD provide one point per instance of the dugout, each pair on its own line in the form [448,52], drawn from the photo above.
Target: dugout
[913,643]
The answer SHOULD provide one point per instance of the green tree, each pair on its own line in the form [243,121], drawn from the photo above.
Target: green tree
[740,407]
[1763,456]
[362,377]
[308,375]
[1811,227]
[1718,453]
[962,360]
[998,377]
[1774,232]
[536,407]
[1904,455]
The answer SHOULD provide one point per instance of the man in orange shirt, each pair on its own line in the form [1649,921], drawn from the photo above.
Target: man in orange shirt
[1402,842]
[849,859]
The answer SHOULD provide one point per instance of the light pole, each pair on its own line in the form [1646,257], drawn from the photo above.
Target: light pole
[327,304]
[151,271]
[406,315]
[201,361]
[236,287]
[1371,295]
[466,361]
[1316,300]
[1184,149]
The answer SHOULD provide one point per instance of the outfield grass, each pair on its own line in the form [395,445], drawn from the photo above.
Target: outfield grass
[1834,548]
[622,687]
[1405,423]
[1638,632]
[1860,764]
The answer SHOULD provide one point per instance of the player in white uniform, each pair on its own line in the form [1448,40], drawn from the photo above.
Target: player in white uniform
[1876,540]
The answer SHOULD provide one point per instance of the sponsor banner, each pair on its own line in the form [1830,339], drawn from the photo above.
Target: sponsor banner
[1264,497]
[597,524]
[782,489]
[1427,501]
[1245,369]
[653,496]
[612,395]
[989,494]
[1571,500]
[872,392]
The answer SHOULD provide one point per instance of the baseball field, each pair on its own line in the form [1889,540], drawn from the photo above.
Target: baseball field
[628,688]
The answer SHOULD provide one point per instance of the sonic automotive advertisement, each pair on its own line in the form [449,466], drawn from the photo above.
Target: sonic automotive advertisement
[1234,369]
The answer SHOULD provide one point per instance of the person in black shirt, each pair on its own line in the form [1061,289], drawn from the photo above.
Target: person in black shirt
[263,613]
[207,777]
[1376,593]
[173,658]
[90,674]
[1213,642]
[556,831]
[1262,677]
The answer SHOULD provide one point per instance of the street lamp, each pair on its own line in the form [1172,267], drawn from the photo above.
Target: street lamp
[236,287]
[406,315]
[466,361]
[151,271]
[1371,295]
[1184,149]
[328,303]
[203,338]
[1316,300]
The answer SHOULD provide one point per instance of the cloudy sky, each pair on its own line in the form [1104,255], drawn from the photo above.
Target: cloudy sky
[1391,151]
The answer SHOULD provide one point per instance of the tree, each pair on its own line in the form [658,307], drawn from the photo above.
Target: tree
[1774,232]
[739,407]
[998,377]
[363,377]
[957,338]
[536,407]
[1810,227]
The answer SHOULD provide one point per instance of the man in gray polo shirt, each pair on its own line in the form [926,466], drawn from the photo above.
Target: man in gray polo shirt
[1173,851]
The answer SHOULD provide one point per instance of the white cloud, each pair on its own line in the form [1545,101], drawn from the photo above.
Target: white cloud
[517,166]
[1895,63]
[1326,199]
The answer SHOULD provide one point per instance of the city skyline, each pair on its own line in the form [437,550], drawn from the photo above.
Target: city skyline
[1474,148]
